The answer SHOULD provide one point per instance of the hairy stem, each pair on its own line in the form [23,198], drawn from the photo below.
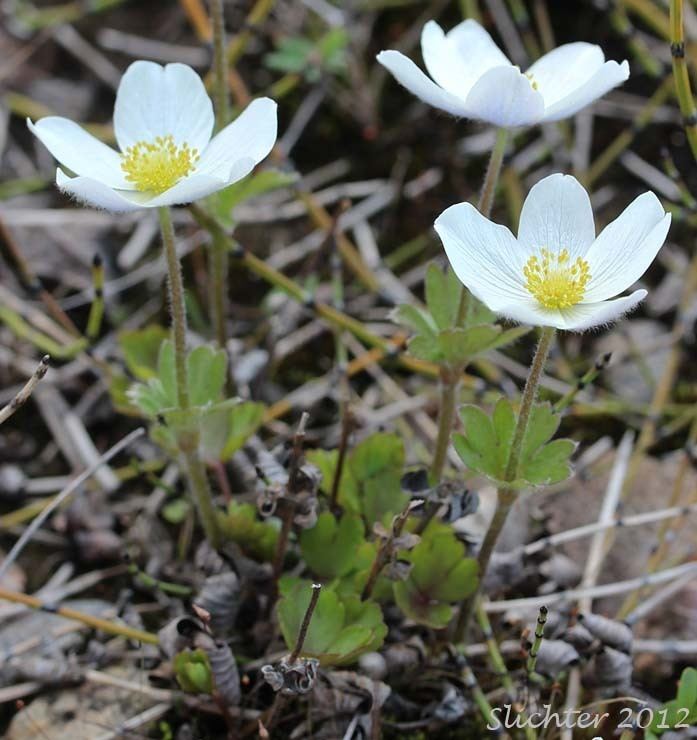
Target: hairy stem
[189,441]
[506,495]
[450,379]
[448,399]
[177,307]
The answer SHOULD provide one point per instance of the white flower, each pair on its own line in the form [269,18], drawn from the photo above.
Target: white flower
[163,121]
[474,79]
[556,273]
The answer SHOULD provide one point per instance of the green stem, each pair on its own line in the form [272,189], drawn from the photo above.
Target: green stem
[506,495]
[176,306]
[222,99]
[200,488]
[681,74]
[449,382]
[189,441]
[449,378]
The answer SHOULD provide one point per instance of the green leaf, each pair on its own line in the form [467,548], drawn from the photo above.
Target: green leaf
[329,548]
[140,349]
[550,465]
[176,511]
[377,465]
[425,347]
[414,318]
[244,420]
[440,575]
[542,426]
[193,672]
[478,447]
[206,369]
[341,628]
[240,524]
[371,478]
[326,461]
[687,689]
[438,298]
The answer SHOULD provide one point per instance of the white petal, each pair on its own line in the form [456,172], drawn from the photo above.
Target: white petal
[409,75]
[251,135]
[625,248]
[608,76]
[484,255]
[190,189]
[565,69]
[557,214]
[473,42]
[577,318]
[504,96]
[79,151]
[96,193]
[458,60]
[158,101]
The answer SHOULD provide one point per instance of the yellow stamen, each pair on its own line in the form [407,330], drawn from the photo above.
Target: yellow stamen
[156,166]
[554,280]
[533,81]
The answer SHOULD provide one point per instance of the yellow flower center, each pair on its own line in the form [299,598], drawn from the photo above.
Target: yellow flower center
[533,81]
[554,280]
[156,166]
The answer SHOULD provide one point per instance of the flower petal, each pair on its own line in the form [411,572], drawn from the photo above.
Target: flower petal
[159,101]
[193,188]
[79,151]
[96,193]
[409,75]
[608,76]
[577,318]
[625,248]
[251,135]
[504,96]
[458,60]
[565,69]
[557,214]
[484,255]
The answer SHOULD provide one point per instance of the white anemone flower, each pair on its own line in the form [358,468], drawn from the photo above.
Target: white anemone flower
[163,122]
[557,272]
[473,78]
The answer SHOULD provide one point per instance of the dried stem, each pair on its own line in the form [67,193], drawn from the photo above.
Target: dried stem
[23,396]
[681,75]
[104,625]
[302,634]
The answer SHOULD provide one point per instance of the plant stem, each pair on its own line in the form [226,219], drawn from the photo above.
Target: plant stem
[681,74]
[188,442]
[449,382]
[506,495]
[450,377]
[177,307]
[302,634]
[203,498]
[222,99]
[98,623]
